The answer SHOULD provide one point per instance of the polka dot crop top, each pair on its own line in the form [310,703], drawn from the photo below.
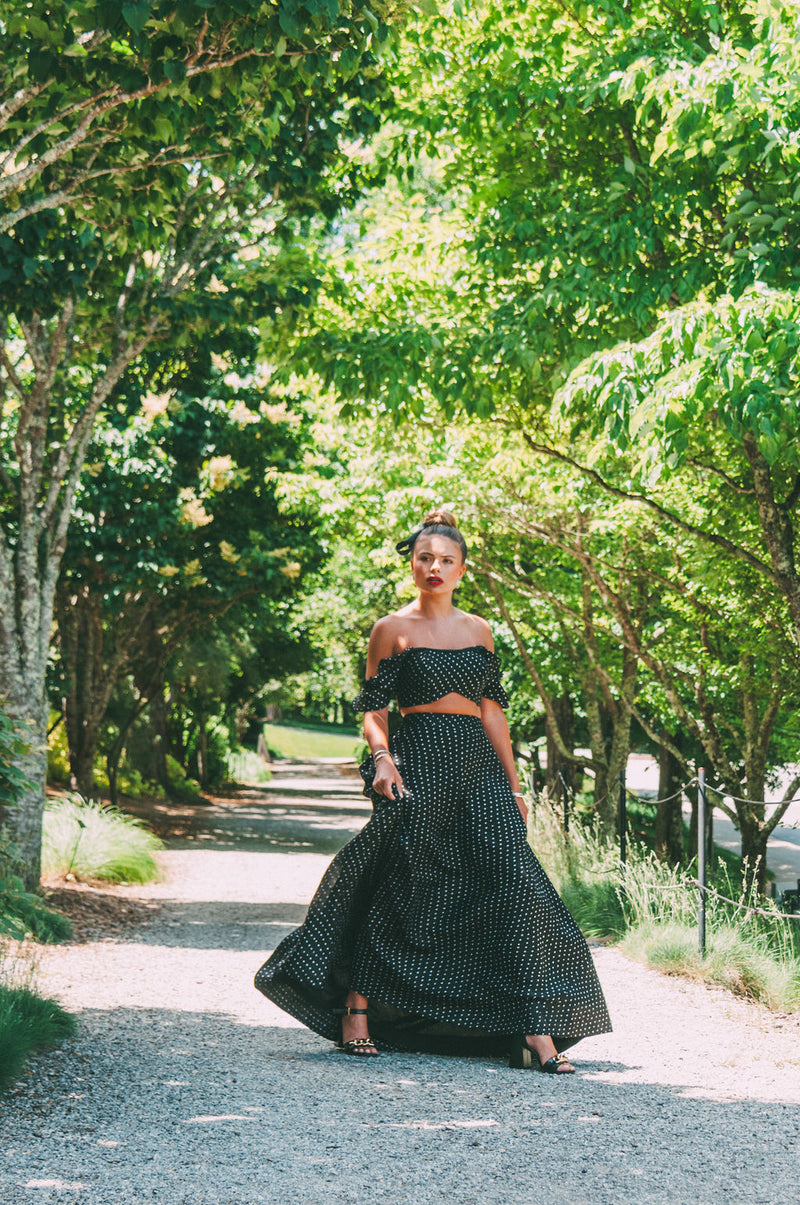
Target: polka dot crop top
[421,675]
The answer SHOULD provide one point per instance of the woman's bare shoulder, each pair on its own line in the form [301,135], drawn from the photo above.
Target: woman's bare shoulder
[480,631]
[385,638]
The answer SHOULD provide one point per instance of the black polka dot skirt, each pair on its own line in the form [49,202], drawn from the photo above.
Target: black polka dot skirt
[440,914]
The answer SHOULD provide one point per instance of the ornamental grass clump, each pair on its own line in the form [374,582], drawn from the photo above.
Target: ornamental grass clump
[89,840]
[582,867]
[752,949]
[28,1022]
[744,962]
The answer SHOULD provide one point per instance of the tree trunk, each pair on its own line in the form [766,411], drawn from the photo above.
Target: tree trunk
[114,755]
[26,617]
[754,852]
[202,751]
[26,706]
[560,771]
[669,813]
[158,719]
[90,680]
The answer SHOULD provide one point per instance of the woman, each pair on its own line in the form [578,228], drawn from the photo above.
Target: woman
[436,918]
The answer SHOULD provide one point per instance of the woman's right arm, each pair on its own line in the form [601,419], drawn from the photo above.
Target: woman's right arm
[376,723]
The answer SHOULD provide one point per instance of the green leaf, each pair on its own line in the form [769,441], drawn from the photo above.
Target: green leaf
[136,14]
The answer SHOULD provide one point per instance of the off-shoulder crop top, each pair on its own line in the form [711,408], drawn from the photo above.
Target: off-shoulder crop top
[422,675]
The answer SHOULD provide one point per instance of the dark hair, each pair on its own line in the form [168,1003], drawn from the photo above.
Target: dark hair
[437,523]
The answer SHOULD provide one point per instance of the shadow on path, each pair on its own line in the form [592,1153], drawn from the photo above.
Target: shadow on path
[315,813]
[197,1108]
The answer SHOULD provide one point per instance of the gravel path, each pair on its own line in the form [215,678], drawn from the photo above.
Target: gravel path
[186,1087]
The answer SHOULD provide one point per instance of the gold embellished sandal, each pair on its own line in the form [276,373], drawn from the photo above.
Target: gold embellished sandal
[521,1056]
[363,1048]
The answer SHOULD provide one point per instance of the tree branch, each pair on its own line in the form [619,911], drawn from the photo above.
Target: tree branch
[544,694]
[102,103]
[708,537]
[735,486]
[776,527]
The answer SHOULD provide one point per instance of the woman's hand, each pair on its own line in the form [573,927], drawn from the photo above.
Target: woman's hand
[387,776]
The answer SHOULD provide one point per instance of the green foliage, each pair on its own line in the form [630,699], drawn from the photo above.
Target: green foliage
[25,915]
[181,562]
[245,766]
[599,166]
[122,95]
[730,363]
[27,1023]
[180,784]
[161,167]
[14,744]
[22,913]
[58,768]
[583,870]
[90,841]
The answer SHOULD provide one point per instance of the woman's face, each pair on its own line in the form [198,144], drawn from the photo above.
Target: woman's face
[436,564]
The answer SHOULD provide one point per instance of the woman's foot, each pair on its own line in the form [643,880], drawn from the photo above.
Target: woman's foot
[550,1060]
[355,1034]
[525,1048]
[354,1029]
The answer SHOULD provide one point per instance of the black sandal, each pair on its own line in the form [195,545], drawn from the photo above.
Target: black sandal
[363,1048]
[521,1057]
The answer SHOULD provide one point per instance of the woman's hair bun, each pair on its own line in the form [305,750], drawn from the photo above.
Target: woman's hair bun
[440,518]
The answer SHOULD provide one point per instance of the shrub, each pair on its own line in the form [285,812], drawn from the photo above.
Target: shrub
[91,841]
[23,914]
[179,782]
[14,745]
[131,782]
[28,1022]
[247,767]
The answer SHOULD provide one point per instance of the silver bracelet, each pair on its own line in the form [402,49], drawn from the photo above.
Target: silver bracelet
[518,794]
[376,757]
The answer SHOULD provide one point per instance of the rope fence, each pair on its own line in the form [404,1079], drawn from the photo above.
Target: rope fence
[750,909]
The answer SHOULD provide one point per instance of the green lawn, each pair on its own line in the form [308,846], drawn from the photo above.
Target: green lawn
[284,740]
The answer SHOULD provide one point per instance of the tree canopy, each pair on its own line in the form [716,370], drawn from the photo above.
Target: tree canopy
[159,164]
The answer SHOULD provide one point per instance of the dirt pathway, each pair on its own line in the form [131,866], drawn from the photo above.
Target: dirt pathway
[185,1087]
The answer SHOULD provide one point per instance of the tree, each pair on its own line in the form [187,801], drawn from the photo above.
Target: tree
[157,158]
[622,175]
[177,521]
[619,285]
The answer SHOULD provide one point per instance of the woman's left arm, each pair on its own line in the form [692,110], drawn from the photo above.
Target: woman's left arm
[496,727]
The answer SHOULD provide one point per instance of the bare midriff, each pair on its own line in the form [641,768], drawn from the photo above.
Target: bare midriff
[452,704]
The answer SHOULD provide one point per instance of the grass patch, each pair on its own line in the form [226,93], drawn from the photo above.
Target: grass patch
[285,740]
[653,907]
[583,870]
[23,914]
[90,841]
[745,963]
[28,1021]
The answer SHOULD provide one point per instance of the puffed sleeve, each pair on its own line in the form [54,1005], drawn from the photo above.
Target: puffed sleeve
[378,691]
[492,686]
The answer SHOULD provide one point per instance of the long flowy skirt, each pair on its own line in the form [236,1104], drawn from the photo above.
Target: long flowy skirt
[440,914]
